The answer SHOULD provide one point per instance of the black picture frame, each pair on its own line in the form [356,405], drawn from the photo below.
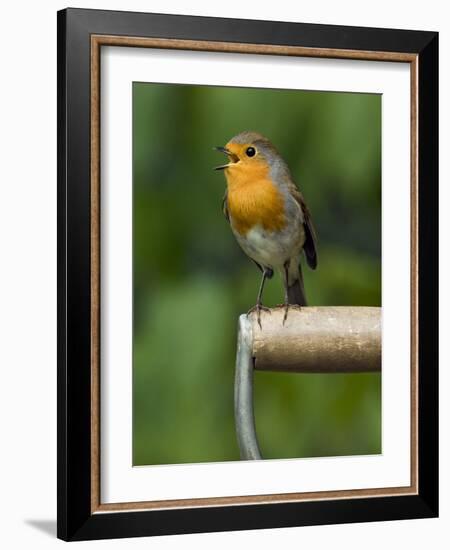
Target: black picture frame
[76,521]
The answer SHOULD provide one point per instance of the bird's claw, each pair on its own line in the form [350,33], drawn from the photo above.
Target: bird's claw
[286,310]
[258,308]
[286,307]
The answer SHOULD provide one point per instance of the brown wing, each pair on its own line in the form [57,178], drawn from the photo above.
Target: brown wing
[310,246]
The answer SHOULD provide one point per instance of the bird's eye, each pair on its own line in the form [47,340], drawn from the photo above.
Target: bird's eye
[250,152]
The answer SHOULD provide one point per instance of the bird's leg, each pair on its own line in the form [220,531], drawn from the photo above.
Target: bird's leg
[286,287]
[267,273]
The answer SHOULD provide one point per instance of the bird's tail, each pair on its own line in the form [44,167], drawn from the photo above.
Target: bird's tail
[296,289]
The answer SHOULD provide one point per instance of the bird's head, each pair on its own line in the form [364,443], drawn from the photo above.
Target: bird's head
[248,153]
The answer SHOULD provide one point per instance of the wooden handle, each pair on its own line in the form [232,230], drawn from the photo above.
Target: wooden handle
[318,339]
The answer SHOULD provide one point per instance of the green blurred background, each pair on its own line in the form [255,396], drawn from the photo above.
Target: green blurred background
[191,280]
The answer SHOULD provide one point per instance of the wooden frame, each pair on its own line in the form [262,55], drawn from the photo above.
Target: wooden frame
[81,34]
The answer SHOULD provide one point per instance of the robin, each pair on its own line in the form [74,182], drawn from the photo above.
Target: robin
[268,215]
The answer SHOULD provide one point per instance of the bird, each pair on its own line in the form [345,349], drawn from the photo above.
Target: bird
[268,215]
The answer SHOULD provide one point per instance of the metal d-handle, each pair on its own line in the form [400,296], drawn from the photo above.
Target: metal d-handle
[313,339]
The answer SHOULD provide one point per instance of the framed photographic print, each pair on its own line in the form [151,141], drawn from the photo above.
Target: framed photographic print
[247,257]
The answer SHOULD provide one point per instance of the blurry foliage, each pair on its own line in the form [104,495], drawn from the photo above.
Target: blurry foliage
[191,280]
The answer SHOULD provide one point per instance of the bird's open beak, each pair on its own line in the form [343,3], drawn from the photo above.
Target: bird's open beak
[233,158]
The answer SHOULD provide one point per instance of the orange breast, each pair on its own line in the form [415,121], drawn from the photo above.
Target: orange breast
[253,199]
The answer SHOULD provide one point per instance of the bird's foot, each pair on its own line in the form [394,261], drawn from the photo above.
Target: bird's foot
[258,308]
